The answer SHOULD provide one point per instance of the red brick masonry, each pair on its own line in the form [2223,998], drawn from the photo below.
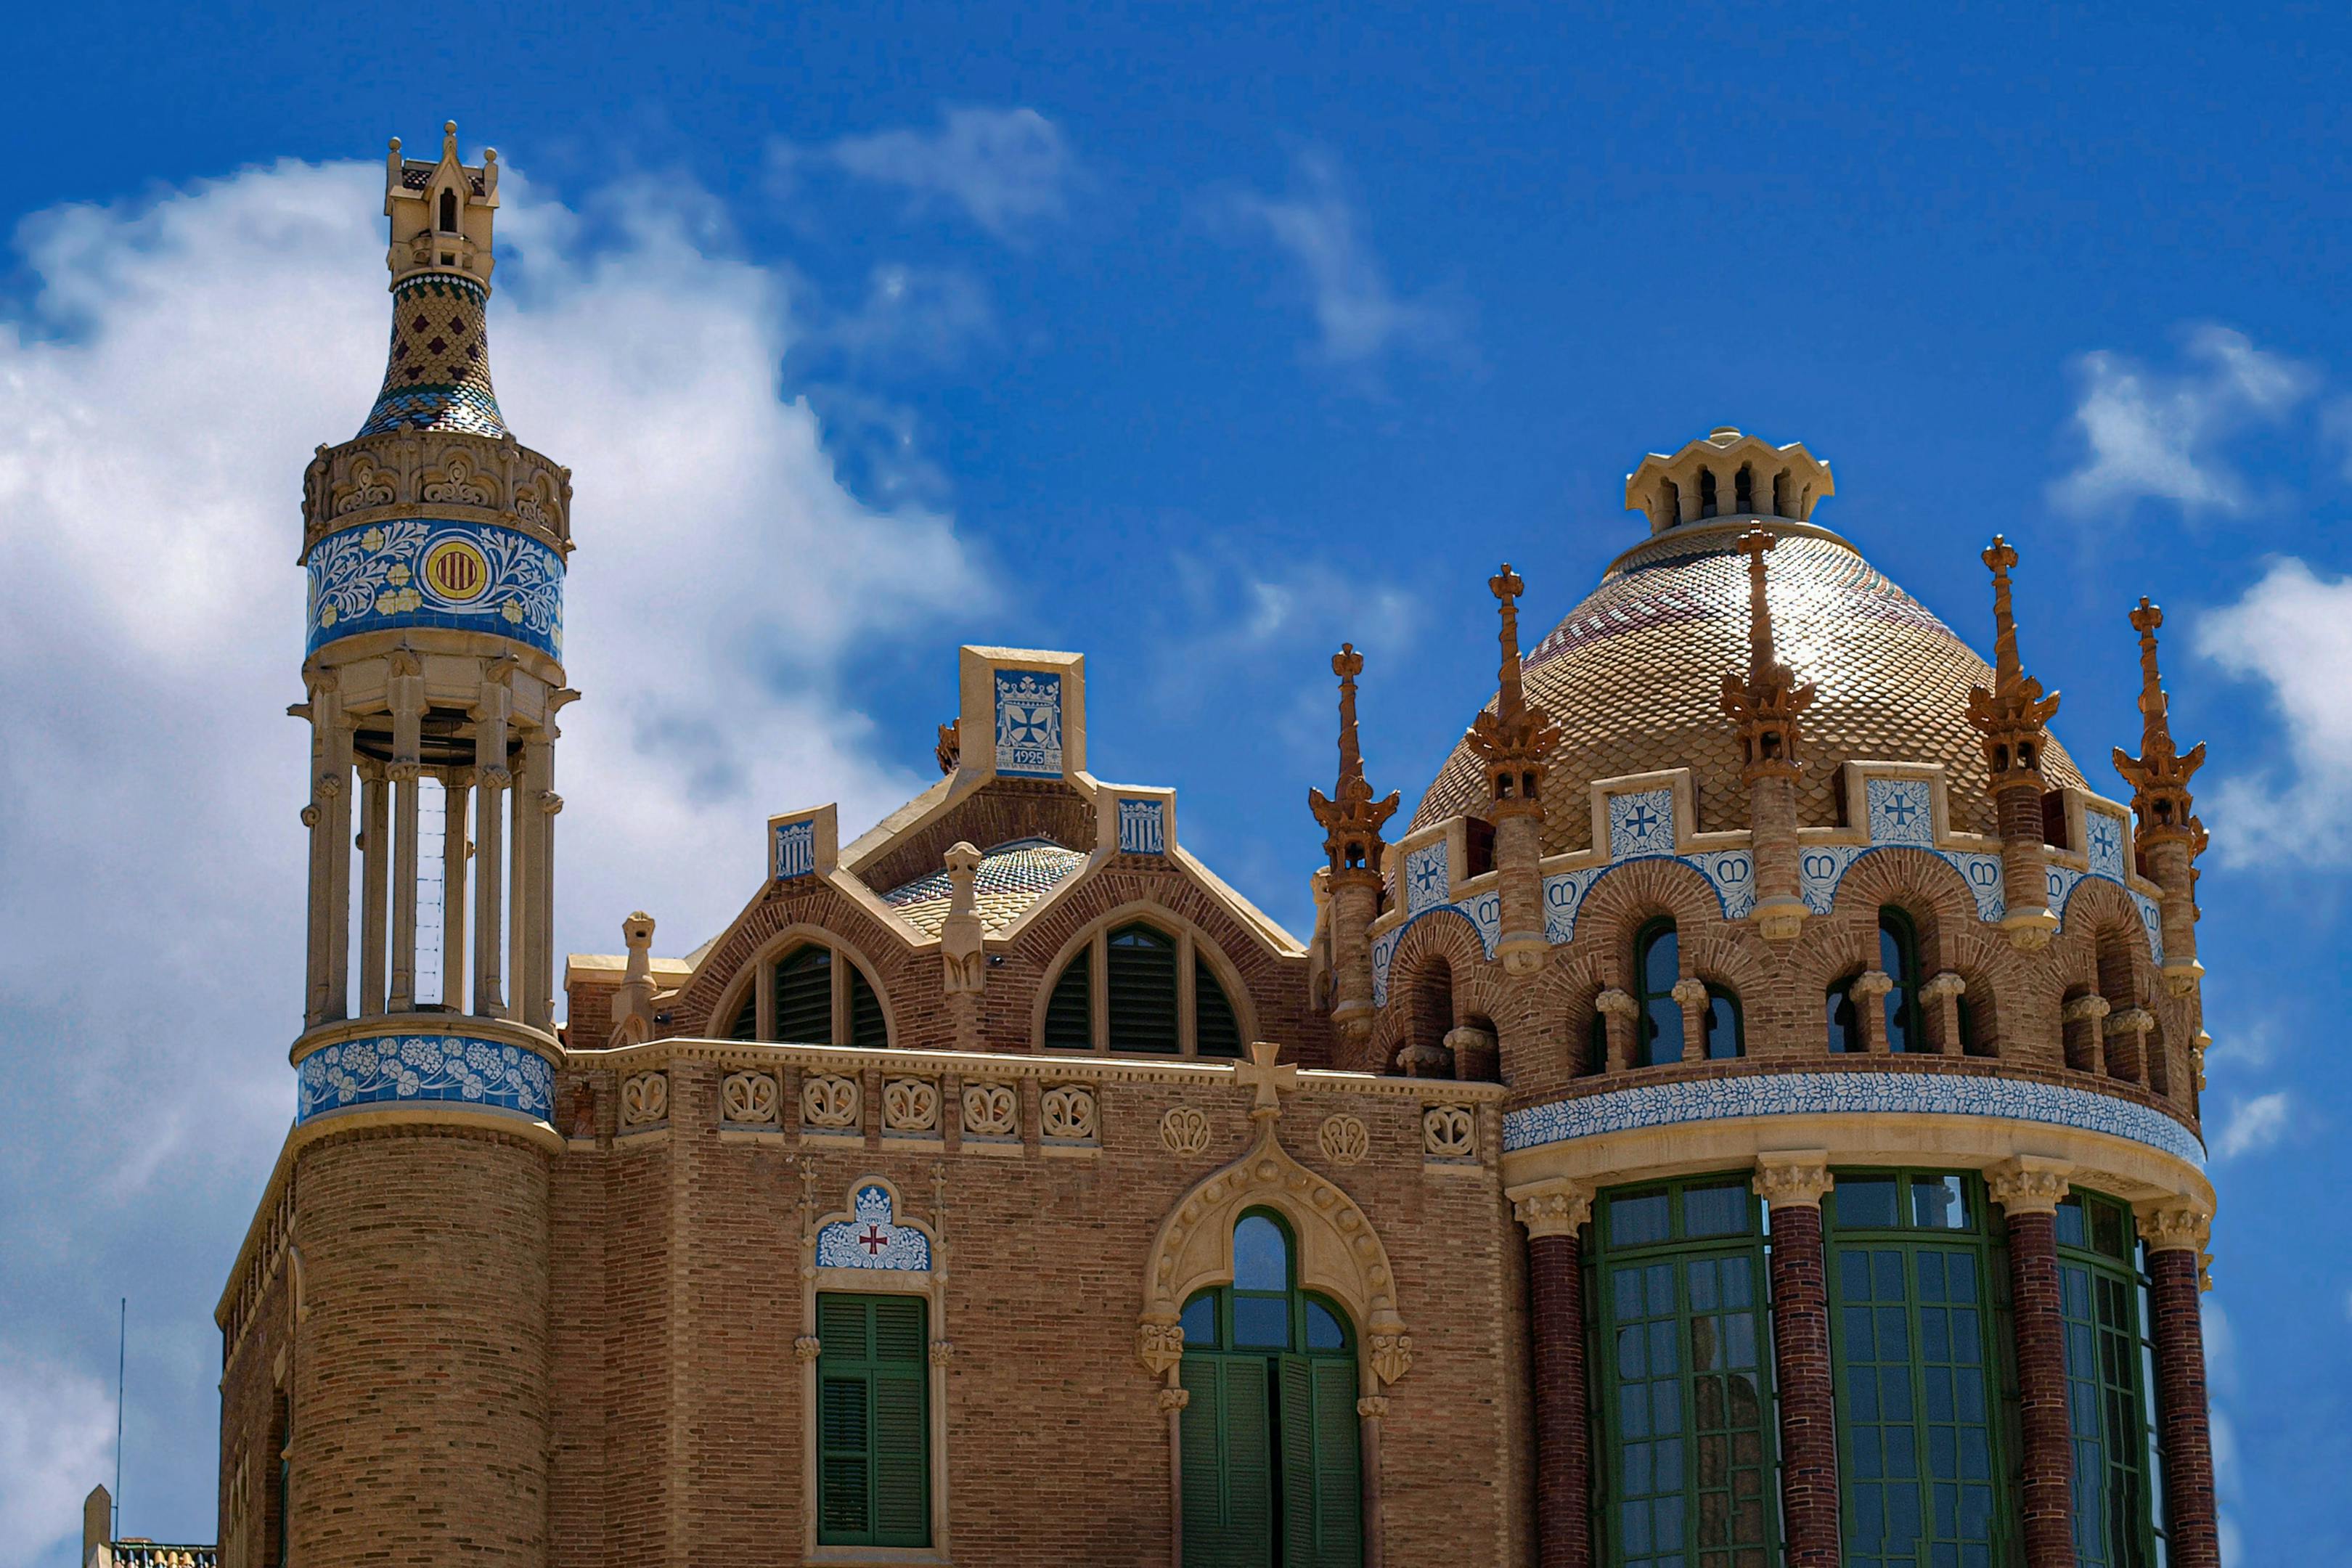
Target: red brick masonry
[1800,1337]
[1563,1436]
[2047,1474]
[2179,1339]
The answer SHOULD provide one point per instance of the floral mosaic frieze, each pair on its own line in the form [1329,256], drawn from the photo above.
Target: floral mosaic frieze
[420,572]
[1827,1093]
[420,1069]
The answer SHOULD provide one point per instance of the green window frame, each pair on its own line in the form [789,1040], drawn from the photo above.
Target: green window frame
[2110,1404]
[874,1461]
[1898,957]
[1922,1384]
[1683,1360]
[1272,1468]
[1657,966]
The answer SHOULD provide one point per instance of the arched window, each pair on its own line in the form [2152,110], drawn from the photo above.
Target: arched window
[1138,987]
[1726,1034]
[1271,1469]
[1898,957]
[1596,1045]
[814,994]
[1844,1025]
[448,212]
[1657,967]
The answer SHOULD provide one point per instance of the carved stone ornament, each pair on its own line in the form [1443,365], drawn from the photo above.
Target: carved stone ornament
[2028,1185]
[2131,1021]
[1159,1346]
[1066,1113]
[830,1102]
[1174,1399]
[1792,1179]
[910,1105]
[2175,1224]
[1615,1004]
[1872,984]
[1553,1209]
[1449,1132]
[1947,983]
[1184,1130]
[943,1353]
[1344,1139]
[1373,1406]
[644,1099]
[807,1348]
[1690,993]
[991,1109]
[749,1099]
[1391,1356]
[2084,1009]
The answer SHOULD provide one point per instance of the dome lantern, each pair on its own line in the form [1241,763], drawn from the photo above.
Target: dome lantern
[1728,475]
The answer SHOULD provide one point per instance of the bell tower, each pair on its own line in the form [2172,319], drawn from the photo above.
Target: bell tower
[435,546]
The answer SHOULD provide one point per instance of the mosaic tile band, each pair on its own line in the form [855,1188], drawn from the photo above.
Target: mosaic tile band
[425,1069]
[1831,1093]
[423,572]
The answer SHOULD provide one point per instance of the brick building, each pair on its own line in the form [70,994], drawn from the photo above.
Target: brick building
[1748,1117]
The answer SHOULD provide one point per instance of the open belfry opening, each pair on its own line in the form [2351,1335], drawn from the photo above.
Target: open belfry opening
[1729,1123]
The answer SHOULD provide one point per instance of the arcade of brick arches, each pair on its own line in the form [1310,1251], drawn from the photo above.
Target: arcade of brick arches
[1747,1115]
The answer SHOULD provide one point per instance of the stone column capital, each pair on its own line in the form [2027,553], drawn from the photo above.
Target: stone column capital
[2029,1183]
[1555,1207]
[2174,1225]
[2092,1006]
[2131,1021]
[1174,1399]
[1690,993]
[1373,1406]
[1614,1003]
[1947,983]
[1873,983]
[1792,1178]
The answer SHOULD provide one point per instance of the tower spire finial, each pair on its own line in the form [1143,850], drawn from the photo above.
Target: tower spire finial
[2011,715]
[1506,588]
[1764,705]
[1514,737]
[1351,818]
[2159,775]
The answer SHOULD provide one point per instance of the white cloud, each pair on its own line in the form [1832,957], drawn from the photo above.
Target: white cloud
[2254,1125]
[2292,630]
[159,398]
[57,1433]
[1008,169]
[2156,436]
[1360,318]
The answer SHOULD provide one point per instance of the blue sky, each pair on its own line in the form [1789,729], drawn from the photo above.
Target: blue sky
[1194,341]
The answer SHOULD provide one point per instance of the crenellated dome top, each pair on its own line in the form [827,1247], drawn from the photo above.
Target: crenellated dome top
[1633,674]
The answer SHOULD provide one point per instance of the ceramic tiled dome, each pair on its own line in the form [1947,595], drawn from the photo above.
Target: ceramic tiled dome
[1633,674]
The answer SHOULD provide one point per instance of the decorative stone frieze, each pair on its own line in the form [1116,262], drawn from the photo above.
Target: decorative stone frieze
[1184,1130]
[1449,1132]
[1066,1114]
[991,1110]
[910,1105]
[644,1099]
[749,1099]
[379,477]
[831,1103]
[1344,1139]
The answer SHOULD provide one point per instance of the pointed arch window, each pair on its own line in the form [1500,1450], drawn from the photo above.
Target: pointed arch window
[814,994]
[1140,987]
[1657,967]
[448,212]
[1271,1468]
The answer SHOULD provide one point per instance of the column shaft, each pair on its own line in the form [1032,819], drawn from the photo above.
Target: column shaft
[1376,1552]
[489,922]
[2047,1473]
[375,843]
[315,816]
[336,785]
[1563,1434]
[1801,1355]
[453,891]
[520,853]
[2178,1335]
[404,809]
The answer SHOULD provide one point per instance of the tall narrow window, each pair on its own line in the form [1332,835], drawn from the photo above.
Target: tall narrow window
[804,996]
[448,212]
[1219,1032]
[1142,990]
[1726,1031]
[1898,956]
[1686,1393]
[1845,1025]
[1657,966]
[1069,1014]
[1913,1367]
[868,1032]
[1271,1468]
[2107,1404]
[873,1429]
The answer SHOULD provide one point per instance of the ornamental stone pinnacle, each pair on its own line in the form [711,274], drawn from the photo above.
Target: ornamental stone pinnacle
[1352,820]
[2010,718]
[1511,740]
[2159,775]
[1765,704]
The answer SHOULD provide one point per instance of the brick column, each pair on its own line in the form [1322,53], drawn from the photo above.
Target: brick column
[2175,1233]
[1793,1182]
[1554,1212]
[2028,1189]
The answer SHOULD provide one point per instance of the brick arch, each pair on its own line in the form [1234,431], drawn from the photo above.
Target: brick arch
[789,939]
[891,964]
[1634,894]
[1144,911]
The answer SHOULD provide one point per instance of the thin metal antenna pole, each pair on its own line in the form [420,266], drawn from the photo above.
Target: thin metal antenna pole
[121,1356]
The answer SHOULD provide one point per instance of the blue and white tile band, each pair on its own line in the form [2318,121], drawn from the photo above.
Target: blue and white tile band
[1834,1093]
[422,572]
[424,1069]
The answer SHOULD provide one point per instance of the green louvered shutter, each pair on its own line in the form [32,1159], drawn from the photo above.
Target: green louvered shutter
[872,1428]
[1218,1032]
[1142,990]
[868,1032]
[805,997]
[747,1018]
[1070,1021]
[1249,1468]
[1338,1473]
[1297,1422]
[1202,1448]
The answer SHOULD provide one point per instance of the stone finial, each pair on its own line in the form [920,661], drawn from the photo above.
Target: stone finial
[950,750]
[633,1003]
[2159,775]
[2012,715]
[1269,1078]
[1352,821]
[1513,738]
[1764,705]
[961,934]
